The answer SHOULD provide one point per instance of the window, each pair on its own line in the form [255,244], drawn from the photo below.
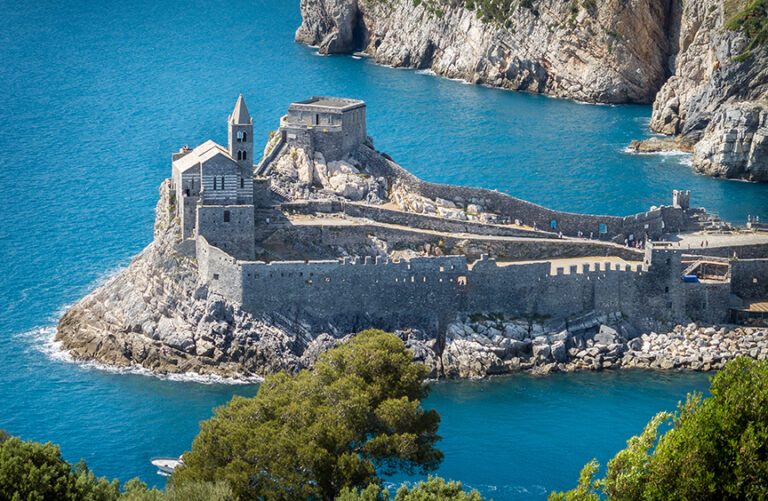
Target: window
[245,136]
[603,228]
[666,289]
[669,304]
[245,155]
[215,276]
[242,182]
[222,182]
[239,155]
[226,216]
[553,224]
[703,306]
[239,136]
[214,183]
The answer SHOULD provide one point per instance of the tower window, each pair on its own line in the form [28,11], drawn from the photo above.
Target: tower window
[214,183]
[239,155]
[222,182]
[245,136]
[242,182]
[239,136]
[245,155]
[226,216]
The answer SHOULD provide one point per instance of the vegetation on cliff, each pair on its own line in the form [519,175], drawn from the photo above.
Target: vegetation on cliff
[715,448]
[753,22]
[309,435]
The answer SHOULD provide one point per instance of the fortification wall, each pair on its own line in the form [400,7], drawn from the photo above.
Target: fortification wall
[431,291]
[753,251]
[358,235]
[410,219]
[228,227]
[604,227]
[749,278]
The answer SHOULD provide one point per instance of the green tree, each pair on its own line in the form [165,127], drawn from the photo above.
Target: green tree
[434,489]
[716,448]
[136,490]
[34,471]
[306,436]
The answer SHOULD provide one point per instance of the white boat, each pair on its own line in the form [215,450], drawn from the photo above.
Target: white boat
[165,466]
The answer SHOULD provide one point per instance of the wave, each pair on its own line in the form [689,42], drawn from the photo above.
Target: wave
[666,153]
[43,339]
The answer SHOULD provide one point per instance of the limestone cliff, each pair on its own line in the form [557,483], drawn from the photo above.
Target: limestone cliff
[609,51]
[714,99]
[680,56]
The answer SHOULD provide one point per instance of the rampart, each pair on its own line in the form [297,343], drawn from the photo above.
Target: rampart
[429,291]
[652,223]
[750,278]
[410,219]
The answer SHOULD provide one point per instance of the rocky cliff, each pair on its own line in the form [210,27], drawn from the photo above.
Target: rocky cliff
[607,51]
[683,57]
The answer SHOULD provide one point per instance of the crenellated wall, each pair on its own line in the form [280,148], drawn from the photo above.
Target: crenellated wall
[429,291]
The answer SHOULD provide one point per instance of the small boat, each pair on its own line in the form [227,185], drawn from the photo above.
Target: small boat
[165,466]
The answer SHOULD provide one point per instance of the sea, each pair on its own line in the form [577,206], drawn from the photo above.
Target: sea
[96,95]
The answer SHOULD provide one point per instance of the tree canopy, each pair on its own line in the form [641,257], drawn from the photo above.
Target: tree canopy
[434,489]
[716,448]
[34,471]
[357,414]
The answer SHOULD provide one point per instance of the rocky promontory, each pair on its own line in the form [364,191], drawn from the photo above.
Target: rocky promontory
[157,314]
[695,61]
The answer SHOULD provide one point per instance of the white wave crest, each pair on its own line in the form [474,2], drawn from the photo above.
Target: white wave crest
[43,339]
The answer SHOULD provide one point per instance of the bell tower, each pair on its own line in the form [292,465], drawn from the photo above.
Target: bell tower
[241,137]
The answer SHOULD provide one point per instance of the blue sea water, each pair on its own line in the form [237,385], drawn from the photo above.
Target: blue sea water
[97,94]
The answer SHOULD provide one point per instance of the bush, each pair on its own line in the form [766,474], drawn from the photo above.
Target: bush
[716,449]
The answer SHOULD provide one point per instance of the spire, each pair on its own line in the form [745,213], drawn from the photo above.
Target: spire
[240,116]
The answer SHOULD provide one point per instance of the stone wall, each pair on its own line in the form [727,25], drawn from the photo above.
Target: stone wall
[604,227]
[228,227]
[749,278]
[410,219]
[428,292]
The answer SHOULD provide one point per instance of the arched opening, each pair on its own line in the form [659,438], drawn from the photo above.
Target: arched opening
[245,136]
[240,136]
[239,155]
[245,155]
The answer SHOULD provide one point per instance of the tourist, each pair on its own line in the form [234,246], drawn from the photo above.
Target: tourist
[706,243]
[626,242]
[267,220]
[559,234]
[590,235]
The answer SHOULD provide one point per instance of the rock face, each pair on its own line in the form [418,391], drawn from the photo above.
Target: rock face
[735,143]
[608,51]
[710,96]
[157,314]
[675,54]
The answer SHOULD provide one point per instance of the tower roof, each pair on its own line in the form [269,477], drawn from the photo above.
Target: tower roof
[240,115]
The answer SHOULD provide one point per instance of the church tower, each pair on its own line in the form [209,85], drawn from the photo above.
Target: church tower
[241,149]
[241,136]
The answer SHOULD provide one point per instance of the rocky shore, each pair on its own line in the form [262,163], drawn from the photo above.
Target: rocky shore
[482,347]
[708,87]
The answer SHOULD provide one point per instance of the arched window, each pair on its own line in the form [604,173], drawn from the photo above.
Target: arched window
[239,155]
[239,136]
[553,224]
[245,155]
[245,136]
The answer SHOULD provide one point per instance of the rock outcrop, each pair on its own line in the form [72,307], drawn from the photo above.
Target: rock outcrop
[607,51]
[677,55]
[713,100]
[158,315]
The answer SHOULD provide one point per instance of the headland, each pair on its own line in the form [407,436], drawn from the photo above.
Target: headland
[260,268]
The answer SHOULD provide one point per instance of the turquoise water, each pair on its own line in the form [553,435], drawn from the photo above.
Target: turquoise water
[95,97]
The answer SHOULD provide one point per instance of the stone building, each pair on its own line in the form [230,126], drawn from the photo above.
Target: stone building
[213,186]
[332,126]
